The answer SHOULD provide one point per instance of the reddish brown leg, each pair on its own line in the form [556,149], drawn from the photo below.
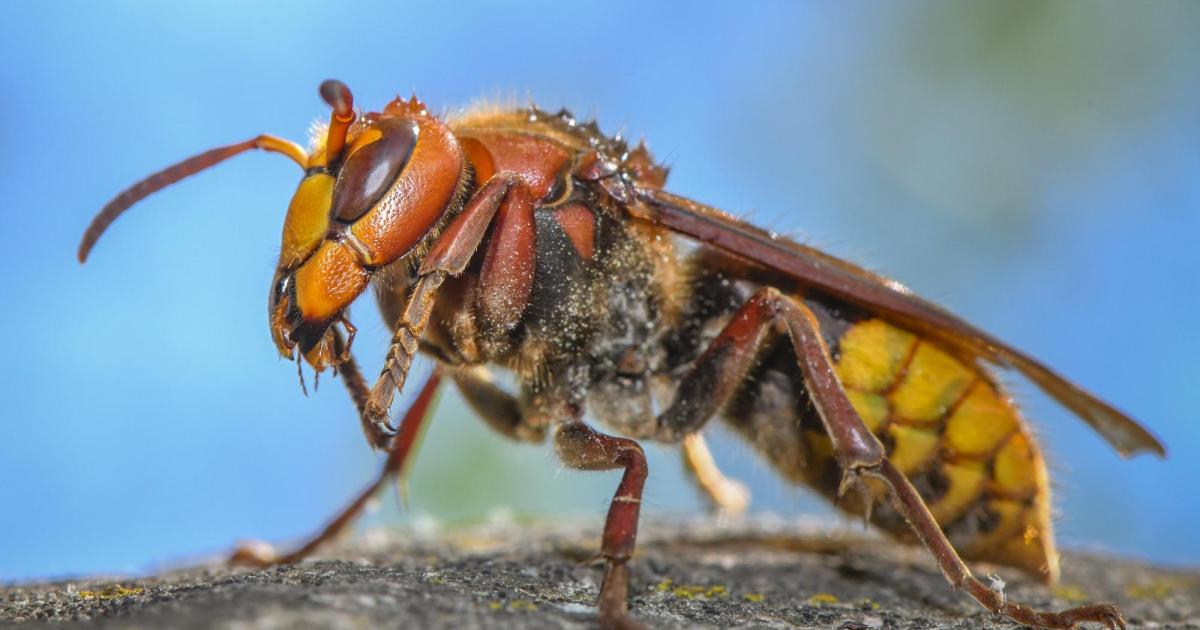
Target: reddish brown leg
[719,371]
[449,255]
[840,419]
[908,502]
[579,446]
[261,554]
[406,340]
[356,385]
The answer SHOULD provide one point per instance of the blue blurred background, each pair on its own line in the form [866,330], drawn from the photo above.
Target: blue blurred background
[1033,166]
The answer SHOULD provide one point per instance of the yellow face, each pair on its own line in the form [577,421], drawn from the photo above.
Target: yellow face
[356,212]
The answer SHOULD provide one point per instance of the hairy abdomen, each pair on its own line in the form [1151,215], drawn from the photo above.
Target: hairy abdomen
[944,422]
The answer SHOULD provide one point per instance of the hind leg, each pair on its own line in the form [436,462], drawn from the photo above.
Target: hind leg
[840,419]
[857,450]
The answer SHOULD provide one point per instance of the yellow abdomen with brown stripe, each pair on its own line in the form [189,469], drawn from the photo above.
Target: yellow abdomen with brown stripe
[949,429]
[945,424]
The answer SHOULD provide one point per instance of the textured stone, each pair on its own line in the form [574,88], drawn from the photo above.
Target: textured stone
[760,573]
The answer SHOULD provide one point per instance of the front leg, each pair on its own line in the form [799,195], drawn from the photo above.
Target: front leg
[403,348]
[356,386]
[449,255]
[503,198]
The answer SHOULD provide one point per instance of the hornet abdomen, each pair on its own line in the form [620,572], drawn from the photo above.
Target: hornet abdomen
[943,421]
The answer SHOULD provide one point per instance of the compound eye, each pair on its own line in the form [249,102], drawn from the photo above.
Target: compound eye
[372,170]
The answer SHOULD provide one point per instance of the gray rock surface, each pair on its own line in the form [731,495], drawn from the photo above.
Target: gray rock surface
[756,573]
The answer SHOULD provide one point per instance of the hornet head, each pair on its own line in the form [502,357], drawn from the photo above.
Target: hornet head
[375,188]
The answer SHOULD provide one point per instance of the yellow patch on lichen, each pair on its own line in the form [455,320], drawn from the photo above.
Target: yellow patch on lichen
[914,449]
[516,605]
[871,354]
[823,598]
[115,591]
[1160,588]
[663,585]
[1070,593]
[872,408]
[870,604]
[980,423]
[753,597]
[695,590]
[966,484]
[933,381]
[687,592]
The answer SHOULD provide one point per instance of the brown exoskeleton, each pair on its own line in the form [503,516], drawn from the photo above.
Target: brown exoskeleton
[526,241]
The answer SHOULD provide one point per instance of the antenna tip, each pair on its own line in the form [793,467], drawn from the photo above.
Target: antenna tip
[85,248]
[338,96]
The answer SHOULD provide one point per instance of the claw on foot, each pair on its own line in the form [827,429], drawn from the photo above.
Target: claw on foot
[381,423]
[1107,614]
[613,603]
[732,497]
[852,479]
[255,553]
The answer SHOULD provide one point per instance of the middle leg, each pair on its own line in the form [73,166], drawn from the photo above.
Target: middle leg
[581,447]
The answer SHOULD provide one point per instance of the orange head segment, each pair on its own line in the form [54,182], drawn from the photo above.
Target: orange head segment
[374,188]
[379,189]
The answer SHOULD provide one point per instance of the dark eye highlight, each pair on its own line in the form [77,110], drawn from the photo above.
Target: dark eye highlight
[370,172]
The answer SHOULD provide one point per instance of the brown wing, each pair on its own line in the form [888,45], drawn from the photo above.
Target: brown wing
[821,271]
